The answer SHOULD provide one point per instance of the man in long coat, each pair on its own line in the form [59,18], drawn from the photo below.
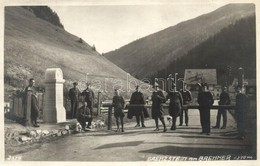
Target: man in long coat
[175,106]
[137,111]
[89,97]
[74,94]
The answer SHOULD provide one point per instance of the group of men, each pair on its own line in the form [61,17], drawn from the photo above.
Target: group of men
[177,100]
[84,113]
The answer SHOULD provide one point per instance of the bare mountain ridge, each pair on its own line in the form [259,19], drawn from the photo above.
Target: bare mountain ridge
[31,45]
[147,55]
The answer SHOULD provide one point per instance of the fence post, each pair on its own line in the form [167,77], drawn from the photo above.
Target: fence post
[99,104]
[109,120]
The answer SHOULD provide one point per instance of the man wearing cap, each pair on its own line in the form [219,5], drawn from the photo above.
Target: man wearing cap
[205,101]
[223,100]
[74,94]
[241,107]
[137,98]
[34,102]
[89,96]
[175,106]
[157,110]
[187,98]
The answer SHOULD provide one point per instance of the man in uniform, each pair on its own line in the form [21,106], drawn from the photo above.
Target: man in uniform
[34,102]
[137,98]
[89,96]
[241,108]
[74,94]
[223,100]
[187,98]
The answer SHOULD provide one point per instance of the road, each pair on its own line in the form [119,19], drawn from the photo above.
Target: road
[144,144]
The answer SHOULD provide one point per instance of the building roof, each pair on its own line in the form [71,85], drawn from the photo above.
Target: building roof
[194,76]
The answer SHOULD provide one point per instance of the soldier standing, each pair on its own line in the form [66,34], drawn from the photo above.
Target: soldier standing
[137,111]
[241,107]
[175,106]
[205,101]
[34,102]
[187,98]
[74,94]
[89,96]
[157,110]
[119,105]
[223,100]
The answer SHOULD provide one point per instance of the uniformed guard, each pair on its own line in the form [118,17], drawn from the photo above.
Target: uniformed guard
[119,105]
[187,98]
[205,101]
[223,100]
[89,97]
[157,110]
[175,106]
[74,94]
[34,102]
[137,111]
[241,108]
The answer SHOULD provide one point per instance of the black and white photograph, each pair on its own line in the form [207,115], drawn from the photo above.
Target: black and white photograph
[130,81]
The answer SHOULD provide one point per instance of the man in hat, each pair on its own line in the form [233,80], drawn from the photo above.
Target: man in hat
[205,101]
[175,106]
[74,94]
[241,107]
[137,98]
[157,110]
[34,102]
[223,100]
[187,98]
[89,97]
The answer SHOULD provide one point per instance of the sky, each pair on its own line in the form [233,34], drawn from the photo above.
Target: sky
[110,27]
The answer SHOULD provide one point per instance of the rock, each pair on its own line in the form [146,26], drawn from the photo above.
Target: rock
[59,134]
[45,132]
[64,132]
[24,138]
[67,127]
[33,134]
[55,132]
[39,132]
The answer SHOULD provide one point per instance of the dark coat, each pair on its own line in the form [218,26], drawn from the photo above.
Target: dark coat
[74,94]
[84,115]
[136,98]
[34,107]
[119,105]
[176,103]
[205,100]
[187,97]
[224,99]
[241,107]
[157,100]
[89,97]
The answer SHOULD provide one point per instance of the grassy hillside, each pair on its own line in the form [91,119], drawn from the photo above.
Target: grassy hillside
[31,45]
[147,55]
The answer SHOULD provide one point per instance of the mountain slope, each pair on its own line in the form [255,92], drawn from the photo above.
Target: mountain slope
[145,56]
[233,46]
[31,45]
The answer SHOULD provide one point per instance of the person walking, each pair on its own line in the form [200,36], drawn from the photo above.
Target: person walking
[175,105]
[119,105]
[223,100]
[187,98]
[241,108]
[157,110]
[137,98]
[205,101]
[74,94]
